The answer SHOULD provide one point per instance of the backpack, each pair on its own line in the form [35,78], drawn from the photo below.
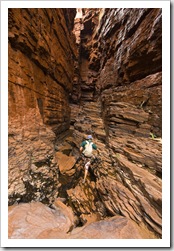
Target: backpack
[88,149]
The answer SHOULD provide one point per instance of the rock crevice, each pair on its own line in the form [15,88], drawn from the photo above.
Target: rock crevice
[98,74]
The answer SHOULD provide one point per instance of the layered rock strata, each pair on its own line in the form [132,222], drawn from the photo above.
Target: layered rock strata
[115,96]
[41,67]
[120,105]
[37,221]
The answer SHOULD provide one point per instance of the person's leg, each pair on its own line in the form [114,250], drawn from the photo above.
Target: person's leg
[86,170]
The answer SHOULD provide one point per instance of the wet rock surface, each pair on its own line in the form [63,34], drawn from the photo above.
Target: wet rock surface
[105,82]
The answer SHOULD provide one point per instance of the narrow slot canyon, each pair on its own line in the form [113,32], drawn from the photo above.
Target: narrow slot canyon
[72,73]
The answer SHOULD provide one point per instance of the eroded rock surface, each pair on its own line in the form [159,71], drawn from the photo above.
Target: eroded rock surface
[106,82]
[37,221]
[120,104]
[41,67]
[29,220]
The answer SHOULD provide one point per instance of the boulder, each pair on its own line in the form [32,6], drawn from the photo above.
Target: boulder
[30,220]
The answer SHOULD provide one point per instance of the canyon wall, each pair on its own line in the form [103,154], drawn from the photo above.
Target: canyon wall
[106,82]
[41,67]
[121,106]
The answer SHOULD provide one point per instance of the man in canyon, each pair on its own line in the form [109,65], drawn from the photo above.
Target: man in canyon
[87,147]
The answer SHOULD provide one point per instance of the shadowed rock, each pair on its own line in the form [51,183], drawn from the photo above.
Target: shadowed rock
[35,220]
[106,81]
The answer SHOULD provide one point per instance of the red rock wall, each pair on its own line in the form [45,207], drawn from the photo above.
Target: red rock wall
[120,61]
[41,59]
[125,52]
[41,67]
[120,104]
[115,96]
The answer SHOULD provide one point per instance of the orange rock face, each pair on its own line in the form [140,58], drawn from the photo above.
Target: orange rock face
[121,105]
[37,221]
[41,65]
[29,220]
[106,82]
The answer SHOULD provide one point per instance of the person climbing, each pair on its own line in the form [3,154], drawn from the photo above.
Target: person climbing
[86,148]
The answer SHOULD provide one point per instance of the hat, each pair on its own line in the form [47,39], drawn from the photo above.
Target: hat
[89,137]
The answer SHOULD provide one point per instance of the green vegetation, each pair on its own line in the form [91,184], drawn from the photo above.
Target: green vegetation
[153,136]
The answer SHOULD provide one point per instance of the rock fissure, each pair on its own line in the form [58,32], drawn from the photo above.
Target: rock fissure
[78,72]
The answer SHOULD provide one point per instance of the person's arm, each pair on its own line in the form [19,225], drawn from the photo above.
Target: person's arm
[96,148]
[82,146]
